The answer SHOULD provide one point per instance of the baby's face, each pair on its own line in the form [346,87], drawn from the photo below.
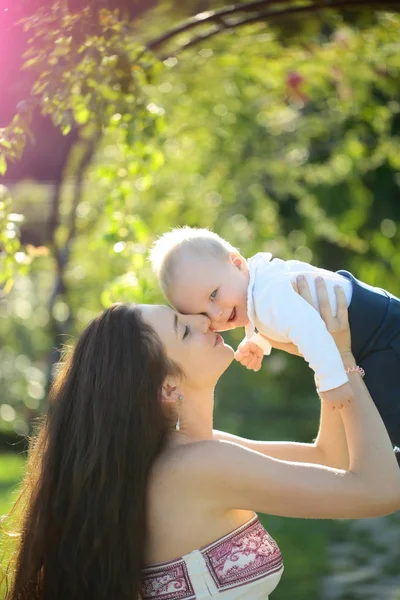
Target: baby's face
[215,287]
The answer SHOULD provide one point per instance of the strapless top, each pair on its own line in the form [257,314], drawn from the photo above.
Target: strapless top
[245,563]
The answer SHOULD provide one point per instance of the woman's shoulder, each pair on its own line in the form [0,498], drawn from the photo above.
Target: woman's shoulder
[204,453]
[188,472]
[194,455]
[198,461]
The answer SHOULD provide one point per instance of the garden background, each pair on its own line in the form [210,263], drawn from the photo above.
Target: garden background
[275,124]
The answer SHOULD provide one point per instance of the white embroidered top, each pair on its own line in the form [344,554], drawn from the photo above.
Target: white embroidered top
[278,312]
[245,563]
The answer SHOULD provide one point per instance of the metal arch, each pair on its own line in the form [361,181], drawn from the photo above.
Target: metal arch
[238,15]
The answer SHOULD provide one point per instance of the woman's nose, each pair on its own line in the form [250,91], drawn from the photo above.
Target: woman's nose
[203,323]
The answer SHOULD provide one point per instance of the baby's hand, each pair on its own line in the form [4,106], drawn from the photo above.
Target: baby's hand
[249,355]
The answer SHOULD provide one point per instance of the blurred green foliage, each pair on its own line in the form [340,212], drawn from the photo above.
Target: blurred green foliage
[280,138]
[11,471]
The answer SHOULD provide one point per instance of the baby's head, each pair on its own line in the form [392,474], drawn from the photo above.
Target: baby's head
[199,272]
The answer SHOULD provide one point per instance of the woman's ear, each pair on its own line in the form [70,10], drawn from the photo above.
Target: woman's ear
[170,391]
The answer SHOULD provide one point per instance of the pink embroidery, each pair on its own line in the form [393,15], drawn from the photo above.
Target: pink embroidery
[243,556]
[168,582]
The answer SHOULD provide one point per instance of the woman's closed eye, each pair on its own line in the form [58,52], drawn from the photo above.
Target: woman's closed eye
[186,332]
[213,294]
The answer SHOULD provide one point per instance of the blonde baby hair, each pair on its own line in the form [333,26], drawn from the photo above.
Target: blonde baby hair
[168,247]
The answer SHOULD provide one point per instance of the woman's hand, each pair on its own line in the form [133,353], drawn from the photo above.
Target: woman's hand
[338,326]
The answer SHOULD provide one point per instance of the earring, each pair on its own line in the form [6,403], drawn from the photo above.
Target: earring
[177,423]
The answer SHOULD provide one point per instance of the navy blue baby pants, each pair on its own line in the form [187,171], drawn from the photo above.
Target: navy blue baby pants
[374,317]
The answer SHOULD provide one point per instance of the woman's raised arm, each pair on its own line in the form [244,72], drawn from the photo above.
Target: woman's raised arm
[330,445]
[243,478]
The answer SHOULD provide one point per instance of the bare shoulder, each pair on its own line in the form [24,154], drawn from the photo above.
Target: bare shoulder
[199,463]
[211,462]
[242,478]
[185,471]
[203,457]
[208,457]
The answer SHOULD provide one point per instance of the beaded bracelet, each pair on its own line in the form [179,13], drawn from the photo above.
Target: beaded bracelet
[356,369]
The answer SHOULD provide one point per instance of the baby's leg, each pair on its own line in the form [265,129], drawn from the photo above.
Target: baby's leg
[374,317]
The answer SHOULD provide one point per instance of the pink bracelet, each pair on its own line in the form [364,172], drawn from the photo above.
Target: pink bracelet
[356,369]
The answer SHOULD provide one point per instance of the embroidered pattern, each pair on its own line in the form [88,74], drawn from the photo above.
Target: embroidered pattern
[244,556]
[170,581]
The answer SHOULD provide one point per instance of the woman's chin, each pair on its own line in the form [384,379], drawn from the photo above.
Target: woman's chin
[222,361]
[230,355]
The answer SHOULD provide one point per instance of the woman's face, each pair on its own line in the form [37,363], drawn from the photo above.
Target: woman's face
[200,352]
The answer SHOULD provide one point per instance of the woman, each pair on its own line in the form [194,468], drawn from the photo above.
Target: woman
[128,487]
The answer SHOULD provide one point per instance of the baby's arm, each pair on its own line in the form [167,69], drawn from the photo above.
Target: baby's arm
[282,310]
[260,341]
[250,355]
[251,351]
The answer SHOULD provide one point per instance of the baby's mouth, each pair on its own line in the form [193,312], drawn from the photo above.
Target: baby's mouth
[233,316]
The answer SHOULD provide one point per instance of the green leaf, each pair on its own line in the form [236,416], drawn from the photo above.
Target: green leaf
[66,129]
[3,164]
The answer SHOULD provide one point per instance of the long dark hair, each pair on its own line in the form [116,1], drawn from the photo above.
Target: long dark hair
[84,493]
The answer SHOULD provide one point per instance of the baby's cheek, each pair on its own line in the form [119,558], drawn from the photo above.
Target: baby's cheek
[243,305]
[214,324]
[218,326]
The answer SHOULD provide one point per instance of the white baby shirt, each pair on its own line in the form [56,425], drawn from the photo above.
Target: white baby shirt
[278,312]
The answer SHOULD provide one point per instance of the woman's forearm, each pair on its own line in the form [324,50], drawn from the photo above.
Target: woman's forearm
[331,440]
[371,458]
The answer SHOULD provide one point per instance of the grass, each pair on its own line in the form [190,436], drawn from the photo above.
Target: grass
[11,472]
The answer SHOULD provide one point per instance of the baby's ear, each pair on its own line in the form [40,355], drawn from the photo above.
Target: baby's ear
[237,260]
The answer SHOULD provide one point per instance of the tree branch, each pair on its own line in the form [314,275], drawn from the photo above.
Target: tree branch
[210,17]
[84,164]
[62,256]
[222,18]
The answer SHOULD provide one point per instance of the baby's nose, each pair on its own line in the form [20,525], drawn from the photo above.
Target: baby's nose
[215,313]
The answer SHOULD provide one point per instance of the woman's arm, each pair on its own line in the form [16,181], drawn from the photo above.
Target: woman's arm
[239,477]
[292,451]
[330,446]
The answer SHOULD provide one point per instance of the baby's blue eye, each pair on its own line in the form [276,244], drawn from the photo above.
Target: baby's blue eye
[213,294]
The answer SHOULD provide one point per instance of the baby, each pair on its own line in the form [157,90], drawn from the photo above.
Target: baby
[199,272]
